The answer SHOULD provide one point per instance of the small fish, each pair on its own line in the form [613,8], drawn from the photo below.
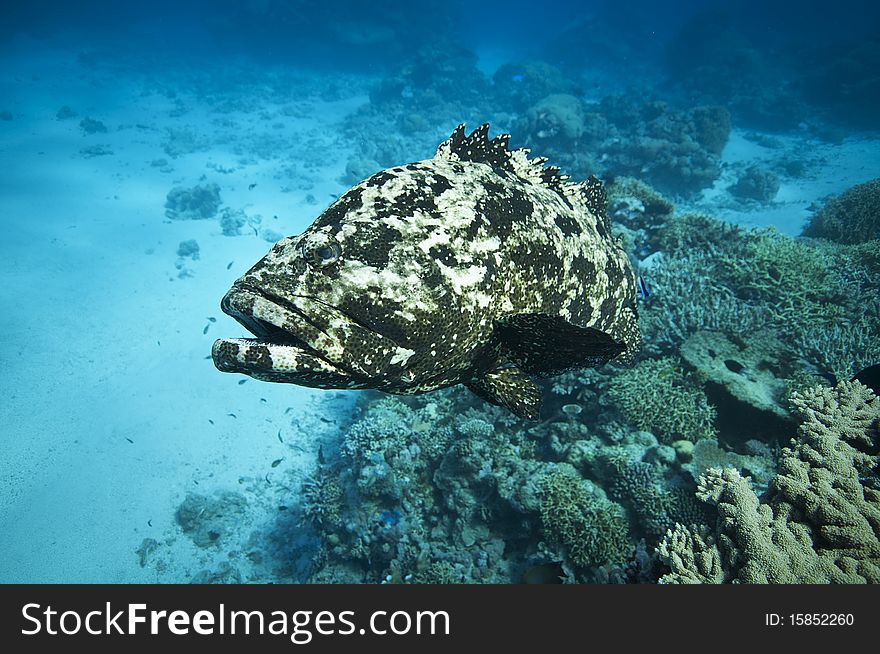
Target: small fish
[642,289]
[251,187]
[321,454]
[276,462]
[229,265]
[212,319]
[280,440]
[205,330]
[129,440]
[241,381]
[282,508]
[150,522]
[232,415]
[211,421]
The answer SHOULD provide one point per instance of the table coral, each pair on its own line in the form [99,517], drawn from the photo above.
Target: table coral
[820,520]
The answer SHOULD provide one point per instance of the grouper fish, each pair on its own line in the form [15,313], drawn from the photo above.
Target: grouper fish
[479,266]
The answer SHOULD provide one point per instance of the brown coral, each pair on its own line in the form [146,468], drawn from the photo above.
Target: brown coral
[821,519]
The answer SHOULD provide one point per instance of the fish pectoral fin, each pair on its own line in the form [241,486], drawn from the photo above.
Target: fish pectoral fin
[510,388]
[549,345]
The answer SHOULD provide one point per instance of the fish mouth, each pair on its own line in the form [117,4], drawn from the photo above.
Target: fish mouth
[301,340]
[264,330]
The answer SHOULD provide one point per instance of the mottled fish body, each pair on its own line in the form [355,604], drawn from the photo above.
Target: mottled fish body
[478,266]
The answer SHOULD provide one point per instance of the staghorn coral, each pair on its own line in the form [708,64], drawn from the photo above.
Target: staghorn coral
[851,217]
[708,277]
[846,346]
[795,281]
[322,499]
[820,520]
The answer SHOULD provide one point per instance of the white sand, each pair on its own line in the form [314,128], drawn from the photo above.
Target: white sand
[831,169]
[103,343]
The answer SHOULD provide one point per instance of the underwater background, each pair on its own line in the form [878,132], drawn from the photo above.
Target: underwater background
[151,152]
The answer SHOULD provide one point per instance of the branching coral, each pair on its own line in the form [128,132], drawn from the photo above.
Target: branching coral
[321,500]
[737,282]
[656,396]
[795,281]
[640,487]
[820,521]
[593,530]
[852,217]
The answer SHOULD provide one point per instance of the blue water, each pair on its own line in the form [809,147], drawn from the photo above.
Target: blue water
[127,457]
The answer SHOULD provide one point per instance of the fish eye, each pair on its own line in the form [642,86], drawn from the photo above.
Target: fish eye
[327,254]
[321,250]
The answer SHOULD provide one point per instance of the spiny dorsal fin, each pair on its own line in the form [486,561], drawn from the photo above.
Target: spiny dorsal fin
[595,196]
[480,149]
[477,147]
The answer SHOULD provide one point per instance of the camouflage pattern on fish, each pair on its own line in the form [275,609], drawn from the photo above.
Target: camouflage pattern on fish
[478,266]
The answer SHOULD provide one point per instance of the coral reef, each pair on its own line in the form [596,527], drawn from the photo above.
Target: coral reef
[638,213]
[820,519]
[592,529]
[197,203]
[678,152]
[92,126]
[657,396]
[521,85]
[747,379]
[756,183]
[818,298]
[852,217]
[207,520]
[189,249]
[555,120]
